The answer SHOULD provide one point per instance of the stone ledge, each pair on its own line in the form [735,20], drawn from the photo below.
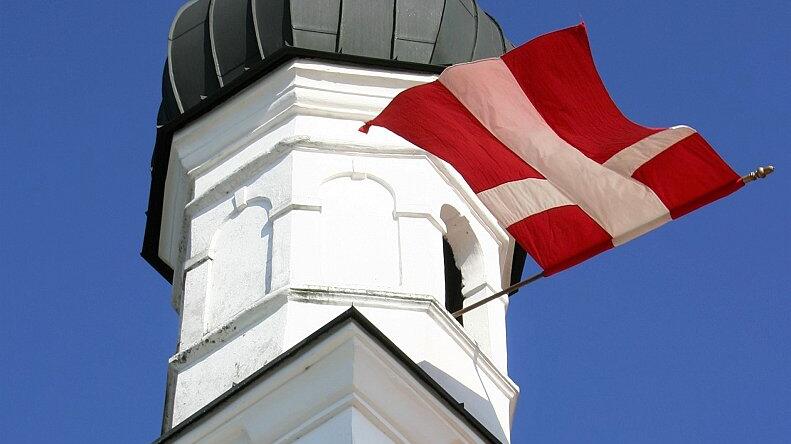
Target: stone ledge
[242,322]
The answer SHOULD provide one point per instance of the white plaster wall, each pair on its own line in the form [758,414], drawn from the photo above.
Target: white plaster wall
[336,429]
[349,426]
[358,235]
[206,372]
[288,216]
[237,280]
[346,388]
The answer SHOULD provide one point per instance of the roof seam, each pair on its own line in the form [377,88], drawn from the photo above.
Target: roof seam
[395,23]
[439,30]
[186,31]
[500,28]
[172,77]
[287,24]
[477,29]
[318,31]
[468,9]
[407,39]
[258,38]
[214,55]
[340,21]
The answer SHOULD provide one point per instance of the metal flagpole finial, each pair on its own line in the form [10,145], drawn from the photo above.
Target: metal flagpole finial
[760,173]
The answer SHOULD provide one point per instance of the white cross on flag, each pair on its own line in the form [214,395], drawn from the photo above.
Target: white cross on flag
[538,138]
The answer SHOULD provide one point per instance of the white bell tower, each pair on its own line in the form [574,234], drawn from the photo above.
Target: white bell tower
[314,267]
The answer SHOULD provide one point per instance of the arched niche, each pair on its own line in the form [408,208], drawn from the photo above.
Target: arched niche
[241,262]
[359,236]
[466,252]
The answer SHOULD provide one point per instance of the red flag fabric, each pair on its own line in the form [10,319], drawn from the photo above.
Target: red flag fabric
[538,138]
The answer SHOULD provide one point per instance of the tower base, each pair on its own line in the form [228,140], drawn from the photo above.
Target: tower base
[345,383]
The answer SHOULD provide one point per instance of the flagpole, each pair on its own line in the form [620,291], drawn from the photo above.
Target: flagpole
[760,173]
[514,287]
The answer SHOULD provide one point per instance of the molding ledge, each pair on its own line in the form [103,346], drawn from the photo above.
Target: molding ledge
[242,322]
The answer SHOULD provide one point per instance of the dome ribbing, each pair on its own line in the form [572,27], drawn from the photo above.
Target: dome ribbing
[213,42]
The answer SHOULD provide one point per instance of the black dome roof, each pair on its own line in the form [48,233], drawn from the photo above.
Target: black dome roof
[213,42]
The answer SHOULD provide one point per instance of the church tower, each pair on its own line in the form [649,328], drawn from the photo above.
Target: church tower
[314,268]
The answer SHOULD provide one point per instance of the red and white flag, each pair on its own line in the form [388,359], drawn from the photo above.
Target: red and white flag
[538,138]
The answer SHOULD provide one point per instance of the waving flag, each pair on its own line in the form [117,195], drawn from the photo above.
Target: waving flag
[538,138]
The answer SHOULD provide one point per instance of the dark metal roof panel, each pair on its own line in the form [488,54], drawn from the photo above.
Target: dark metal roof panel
[367,28]
[192,14]
[212,42]
[457,33]
[489,42]
[318,41]
[233,39]
[272,25]
[168,109]
[192,67]
[411,51]
[316,23]
[416,29]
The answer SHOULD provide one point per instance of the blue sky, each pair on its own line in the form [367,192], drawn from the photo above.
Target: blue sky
[680,336]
